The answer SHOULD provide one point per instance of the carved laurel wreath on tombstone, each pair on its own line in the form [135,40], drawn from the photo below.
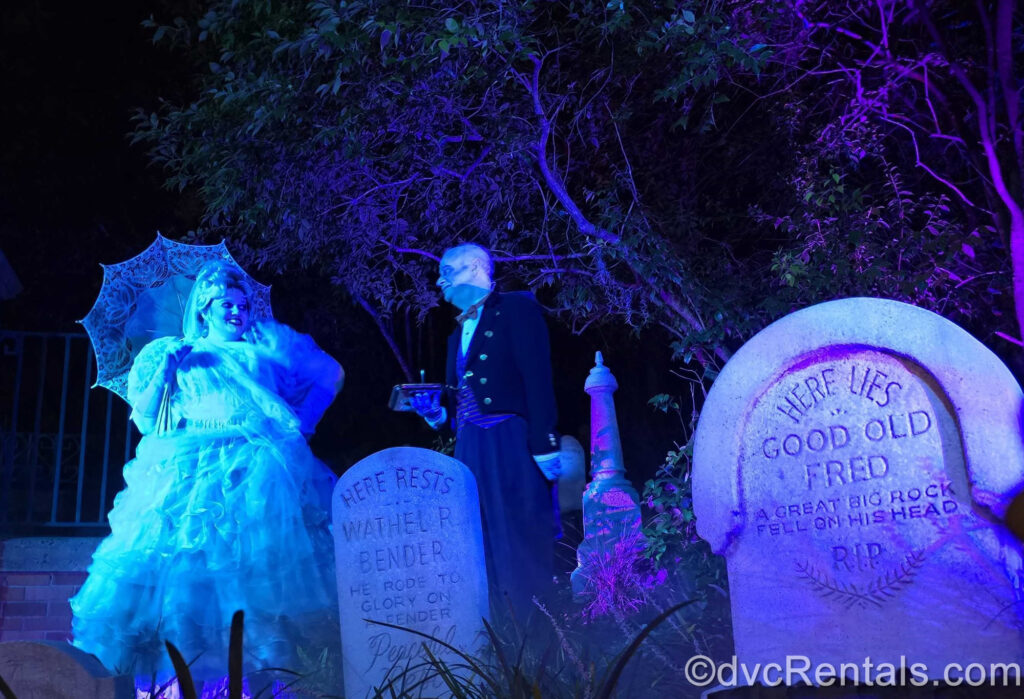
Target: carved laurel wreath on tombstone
[876,593]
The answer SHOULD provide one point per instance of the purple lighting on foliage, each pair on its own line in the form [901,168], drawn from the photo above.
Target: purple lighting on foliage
[212,689]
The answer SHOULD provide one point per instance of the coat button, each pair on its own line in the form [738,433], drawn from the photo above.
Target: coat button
[483,379]
[468,374]
[483,357]
[489,333]
[487,401]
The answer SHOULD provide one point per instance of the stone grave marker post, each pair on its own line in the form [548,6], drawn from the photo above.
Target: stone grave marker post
[611,506]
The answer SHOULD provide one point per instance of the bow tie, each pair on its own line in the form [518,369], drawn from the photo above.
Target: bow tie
[471,312]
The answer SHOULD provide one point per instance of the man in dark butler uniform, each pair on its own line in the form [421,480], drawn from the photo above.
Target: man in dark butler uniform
[498,385]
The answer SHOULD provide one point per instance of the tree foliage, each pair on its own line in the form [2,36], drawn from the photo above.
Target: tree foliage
[702,167]
[938,86]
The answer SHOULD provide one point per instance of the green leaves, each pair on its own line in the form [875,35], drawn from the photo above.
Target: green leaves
[663,402]
[736,181]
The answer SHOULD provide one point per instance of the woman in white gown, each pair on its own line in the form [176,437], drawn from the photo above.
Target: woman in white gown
[225,506]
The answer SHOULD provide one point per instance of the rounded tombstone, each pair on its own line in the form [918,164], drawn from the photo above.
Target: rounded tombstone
[573,478]
[852,463]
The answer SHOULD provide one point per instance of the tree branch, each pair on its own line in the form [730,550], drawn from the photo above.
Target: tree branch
[1007,79]
[386,332]
[552,180]
[657,291]
[921,164]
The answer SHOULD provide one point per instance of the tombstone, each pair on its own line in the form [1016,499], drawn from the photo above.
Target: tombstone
[409,550]
[52,670]
[852,463]
[573,477]
[611,507]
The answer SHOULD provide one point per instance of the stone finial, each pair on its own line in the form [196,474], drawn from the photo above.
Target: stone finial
[600,377]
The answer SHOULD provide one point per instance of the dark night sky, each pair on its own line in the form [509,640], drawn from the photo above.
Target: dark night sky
[74,194]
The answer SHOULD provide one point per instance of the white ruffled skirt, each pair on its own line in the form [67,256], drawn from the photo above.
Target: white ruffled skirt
[212,521]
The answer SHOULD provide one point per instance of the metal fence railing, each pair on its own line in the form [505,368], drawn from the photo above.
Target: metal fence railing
[63,444]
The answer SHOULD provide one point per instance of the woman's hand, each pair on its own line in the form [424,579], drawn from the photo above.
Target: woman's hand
[154,376]
[168,367]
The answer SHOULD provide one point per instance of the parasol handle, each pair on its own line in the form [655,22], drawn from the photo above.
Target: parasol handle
[164,422]
[163,416]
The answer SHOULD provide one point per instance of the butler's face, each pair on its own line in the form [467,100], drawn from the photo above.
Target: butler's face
[455,270]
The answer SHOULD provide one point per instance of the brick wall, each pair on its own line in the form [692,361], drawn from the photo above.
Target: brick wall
[37,578]
[34,604]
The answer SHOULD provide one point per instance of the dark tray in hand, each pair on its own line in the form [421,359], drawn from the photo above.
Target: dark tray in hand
[401,395]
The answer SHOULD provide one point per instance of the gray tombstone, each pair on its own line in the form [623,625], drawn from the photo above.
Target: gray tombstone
[51,670]
[409,550]
[852,463]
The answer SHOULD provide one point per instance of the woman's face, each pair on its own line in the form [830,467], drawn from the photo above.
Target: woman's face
[227,316]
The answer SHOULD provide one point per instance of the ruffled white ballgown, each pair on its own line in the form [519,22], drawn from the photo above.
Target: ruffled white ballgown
[227,511]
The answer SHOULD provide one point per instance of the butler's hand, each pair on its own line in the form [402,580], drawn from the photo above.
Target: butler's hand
[550,465]
[427,405]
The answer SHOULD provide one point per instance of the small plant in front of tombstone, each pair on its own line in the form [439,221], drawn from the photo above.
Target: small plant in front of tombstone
[651,569]
[317,680]
[318,674]
[620,579]
[673,545]
[667,498]
[671,523]
[509,668]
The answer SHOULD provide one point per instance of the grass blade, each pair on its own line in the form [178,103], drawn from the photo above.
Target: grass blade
[542,666]
[477,669]
[605,691]
[497,647]
[447,676]
[235,656]
[185,683]
[6,690]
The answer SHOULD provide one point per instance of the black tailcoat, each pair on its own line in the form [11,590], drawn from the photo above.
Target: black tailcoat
[508,366]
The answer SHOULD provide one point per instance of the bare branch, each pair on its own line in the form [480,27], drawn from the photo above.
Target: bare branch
[921,164]
[386,332]
[552,180]
[414,251]
[1007,80]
